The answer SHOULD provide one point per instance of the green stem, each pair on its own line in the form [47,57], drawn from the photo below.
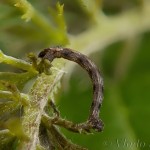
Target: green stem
[49,31]
[111,29]
[38,96]
[16,62]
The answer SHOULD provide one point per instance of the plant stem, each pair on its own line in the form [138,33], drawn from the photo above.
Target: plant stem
[21,64]
[111,29]
[32,115]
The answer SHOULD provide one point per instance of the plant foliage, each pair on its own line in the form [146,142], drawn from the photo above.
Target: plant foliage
[121,30]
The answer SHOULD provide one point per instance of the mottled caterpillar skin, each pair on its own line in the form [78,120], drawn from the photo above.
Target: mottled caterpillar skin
[90,67]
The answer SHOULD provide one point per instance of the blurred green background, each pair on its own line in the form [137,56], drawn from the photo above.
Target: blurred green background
[124,63]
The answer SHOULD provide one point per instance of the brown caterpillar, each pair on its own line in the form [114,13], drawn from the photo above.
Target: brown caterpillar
[94,73]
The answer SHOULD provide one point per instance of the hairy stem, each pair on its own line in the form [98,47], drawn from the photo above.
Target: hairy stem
[32,115]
